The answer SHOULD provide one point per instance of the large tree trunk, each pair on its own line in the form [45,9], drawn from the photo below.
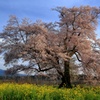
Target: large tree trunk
[66,77]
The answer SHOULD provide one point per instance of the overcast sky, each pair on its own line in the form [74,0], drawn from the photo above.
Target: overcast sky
[37,9]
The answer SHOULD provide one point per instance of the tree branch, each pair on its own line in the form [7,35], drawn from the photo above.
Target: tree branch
[40,70]
[78,57]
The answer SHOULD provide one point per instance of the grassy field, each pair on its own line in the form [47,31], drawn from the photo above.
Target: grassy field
[12,91]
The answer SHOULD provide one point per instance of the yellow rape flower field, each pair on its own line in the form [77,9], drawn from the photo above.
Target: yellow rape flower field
[13,91]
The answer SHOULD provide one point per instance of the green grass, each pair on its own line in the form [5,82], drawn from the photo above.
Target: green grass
[12,91]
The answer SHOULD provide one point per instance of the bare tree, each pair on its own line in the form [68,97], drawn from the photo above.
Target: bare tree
[48,46]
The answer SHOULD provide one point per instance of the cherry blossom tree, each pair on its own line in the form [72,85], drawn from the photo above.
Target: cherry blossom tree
[50,46]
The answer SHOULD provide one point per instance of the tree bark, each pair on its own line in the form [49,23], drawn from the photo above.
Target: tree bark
[66,77]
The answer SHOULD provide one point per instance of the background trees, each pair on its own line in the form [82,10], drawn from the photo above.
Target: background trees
[48,46]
